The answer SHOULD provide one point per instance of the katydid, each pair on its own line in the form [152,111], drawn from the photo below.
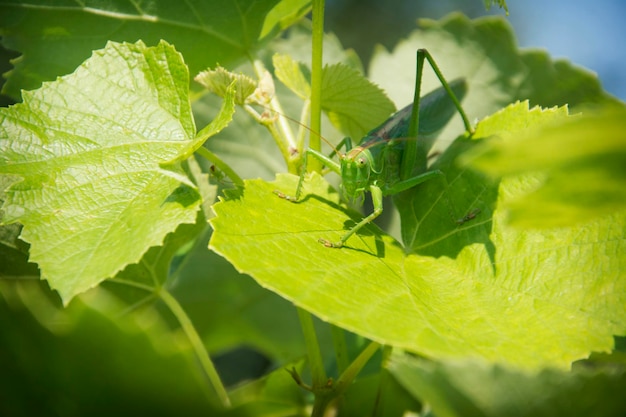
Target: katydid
[384,161]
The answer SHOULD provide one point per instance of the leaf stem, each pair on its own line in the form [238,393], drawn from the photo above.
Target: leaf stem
[316,82]
[326,397]
[346,378]
[341,351]
[221,165]
[318,373]
[198,346]
[379,405]
[280,129]
[133,284]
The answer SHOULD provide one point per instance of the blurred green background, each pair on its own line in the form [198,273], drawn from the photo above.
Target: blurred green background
[587,33]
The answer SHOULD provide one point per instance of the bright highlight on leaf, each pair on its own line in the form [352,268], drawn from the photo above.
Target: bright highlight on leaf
[93,150]
[472,305]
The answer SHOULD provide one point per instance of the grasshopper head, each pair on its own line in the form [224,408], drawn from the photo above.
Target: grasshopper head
[355,172]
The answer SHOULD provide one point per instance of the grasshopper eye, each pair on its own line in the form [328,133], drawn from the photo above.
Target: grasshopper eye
[360,161]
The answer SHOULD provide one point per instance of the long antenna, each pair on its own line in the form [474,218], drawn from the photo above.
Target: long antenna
[311,131]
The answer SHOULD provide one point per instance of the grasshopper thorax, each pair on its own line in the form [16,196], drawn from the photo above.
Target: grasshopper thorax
[356,168]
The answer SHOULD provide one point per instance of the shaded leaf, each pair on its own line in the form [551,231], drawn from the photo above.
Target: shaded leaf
[14,254]
[283,15]
[442,216]
[89,360]
[478,389]
[55,39]
[275,395]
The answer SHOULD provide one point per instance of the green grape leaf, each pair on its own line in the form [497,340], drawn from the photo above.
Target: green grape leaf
[579,162]
[218,81]
[478,389]
[96,152]
[352,102]
[293,74]
[55,38]
[283,15]
[565,288]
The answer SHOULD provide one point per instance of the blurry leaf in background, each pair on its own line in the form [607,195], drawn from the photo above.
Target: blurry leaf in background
[273,395]
[580,163]
[480,389]
[55,39]
[283,15]
[484,52]
[87,360]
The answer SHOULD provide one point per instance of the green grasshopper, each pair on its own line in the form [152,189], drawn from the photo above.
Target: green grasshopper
[384,162]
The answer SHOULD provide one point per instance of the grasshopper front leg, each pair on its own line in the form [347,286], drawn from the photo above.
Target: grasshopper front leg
[377,200]
[332,165]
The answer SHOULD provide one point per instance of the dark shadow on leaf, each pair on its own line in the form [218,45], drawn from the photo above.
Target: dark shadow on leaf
[439,221]
[184,195]
[330,203]
[355,217]
[380,247]
[233,193]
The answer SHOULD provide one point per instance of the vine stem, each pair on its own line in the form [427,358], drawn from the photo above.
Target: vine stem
[341,350]
[318,373]
[326,398]
[198,346]
[280,129]
[348,376]
[221,165]
[316,82]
